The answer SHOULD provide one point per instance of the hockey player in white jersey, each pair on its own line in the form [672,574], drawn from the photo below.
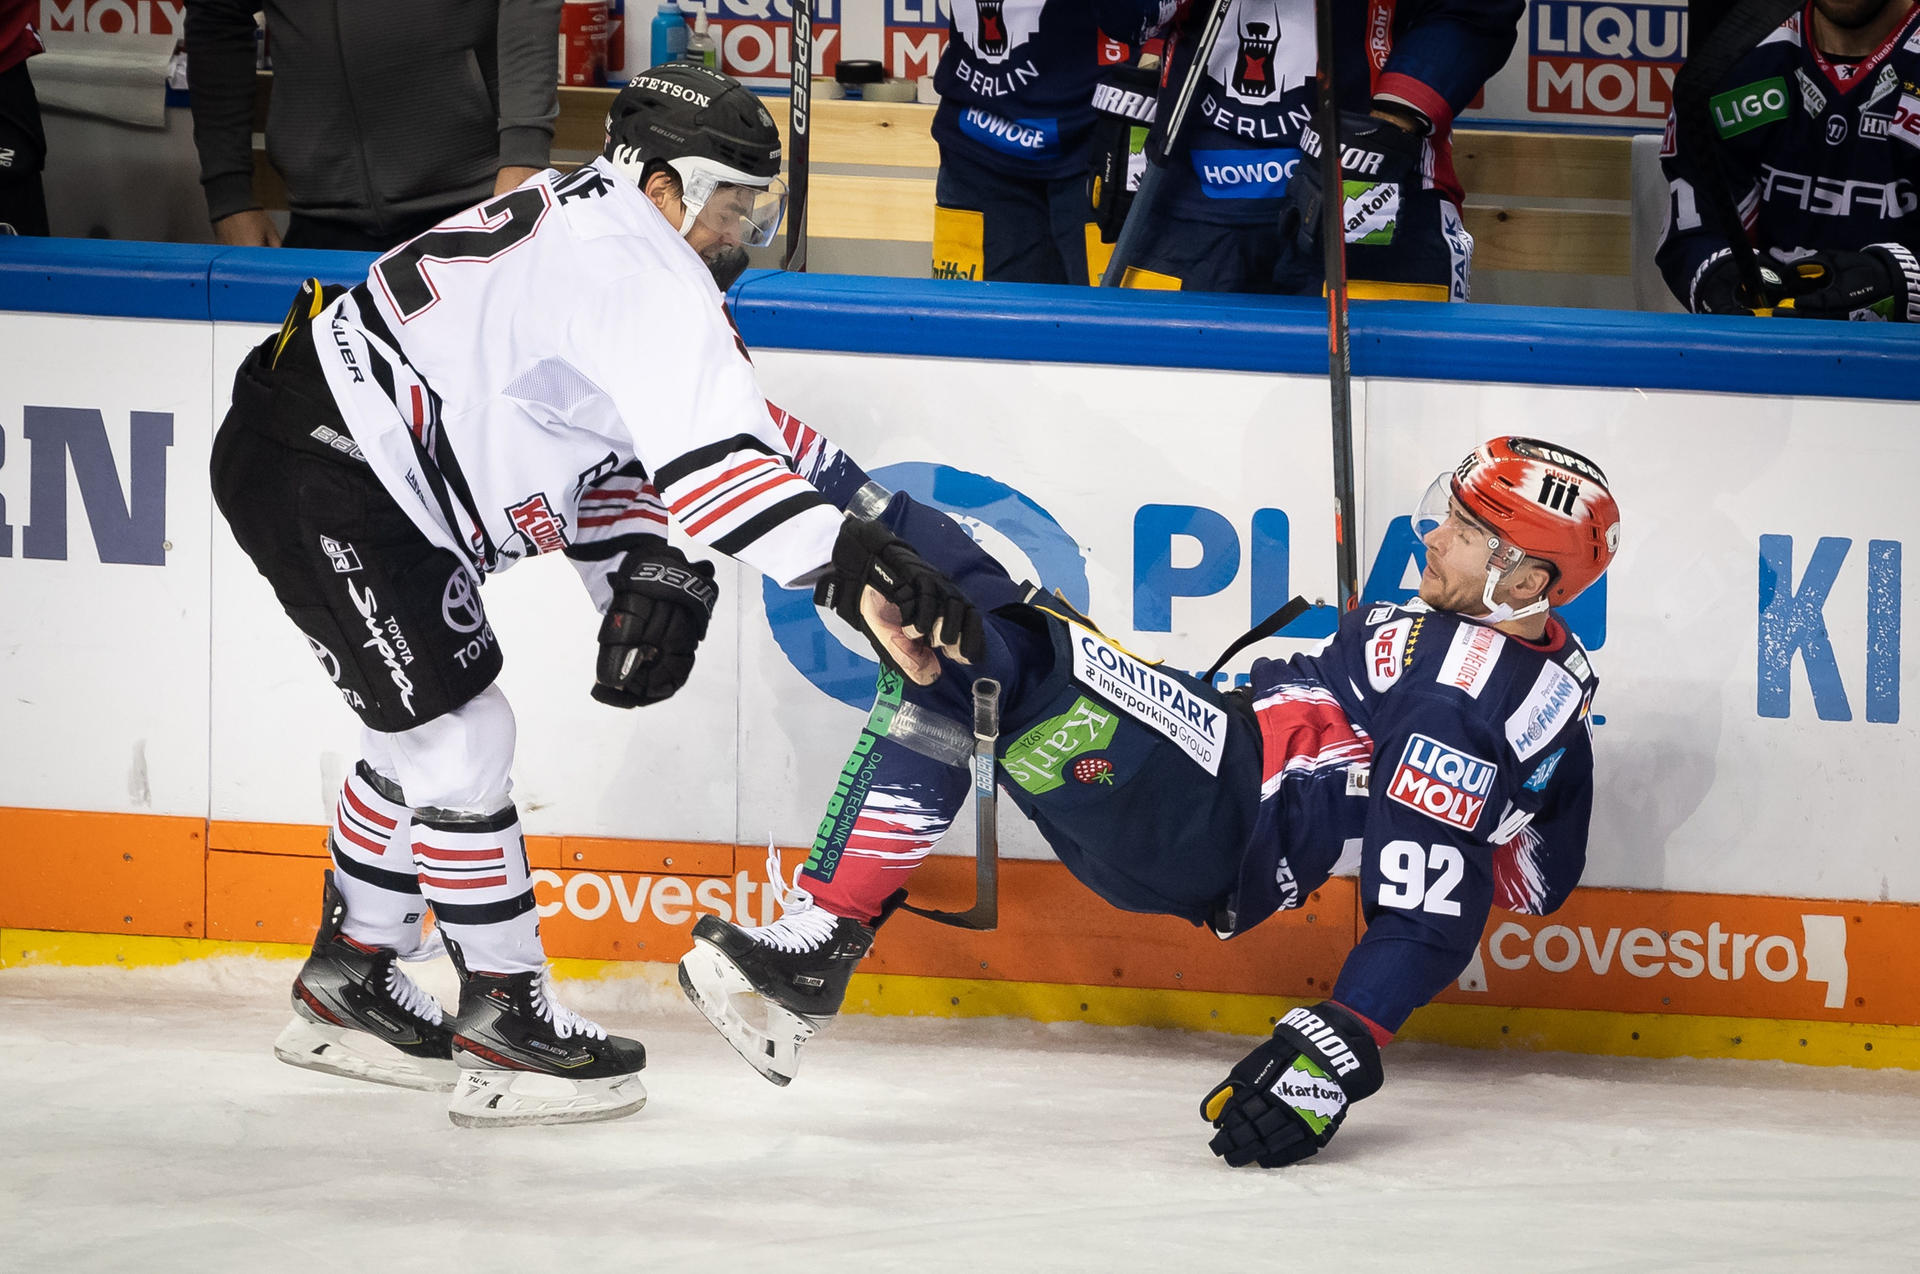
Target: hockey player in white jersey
[551,371]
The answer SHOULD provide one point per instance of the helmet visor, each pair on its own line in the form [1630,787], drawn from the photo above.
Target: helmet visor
[1441,503]
[738,211]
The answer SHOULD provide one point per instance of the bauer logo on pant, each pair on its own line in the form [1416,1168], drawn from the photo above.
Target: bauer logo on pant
[1442,782]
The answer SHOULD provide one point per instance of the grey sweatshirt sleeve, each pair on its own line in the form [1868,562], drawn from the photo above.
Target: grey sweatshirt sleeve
[529,52]
[220,70]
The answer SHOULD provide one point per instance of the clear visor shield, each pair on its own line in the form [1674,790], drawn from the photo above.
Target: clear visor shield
[739,213]
[1439,505]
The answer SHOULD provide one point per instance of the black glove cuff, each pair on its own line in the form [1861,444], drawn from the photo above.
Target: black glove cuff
[1338,1042]
[1904,266]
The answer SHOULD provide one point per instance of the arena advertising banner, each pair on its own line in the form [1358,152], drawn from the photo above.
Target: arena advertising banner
[1589,65]
[104,512]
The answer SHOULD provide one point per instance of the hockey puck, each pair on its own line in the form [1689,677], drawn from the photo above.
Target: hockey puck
[859,71]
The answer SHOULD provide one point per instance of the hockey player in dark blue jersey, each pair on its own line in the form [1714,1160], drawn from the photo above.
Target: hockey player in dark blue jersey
[1404,70]
[1016,88]
[1447,736]
[1818,138]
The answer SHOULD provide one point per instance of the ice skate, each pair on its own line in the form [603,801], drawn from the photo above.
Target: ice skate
[358,1015]
[770,990]
[525,1058]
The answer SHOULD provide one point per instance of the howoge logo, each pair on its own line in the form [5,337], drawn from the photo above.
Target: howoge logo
[1716,953]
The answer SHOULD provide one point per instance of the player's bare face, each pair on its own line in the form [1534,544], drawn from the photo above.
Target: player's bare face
[1456,575]
[1852,14]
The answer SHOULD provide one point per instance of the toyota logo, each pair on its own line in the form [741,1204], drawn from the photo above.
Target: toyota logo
[326,658]
[460,604]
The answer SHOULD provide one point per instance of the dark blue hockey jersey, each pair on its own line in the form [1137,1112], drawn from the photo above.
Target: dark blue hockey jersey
[1824,155]
[1458,758]
[1244,138]
[1016,80]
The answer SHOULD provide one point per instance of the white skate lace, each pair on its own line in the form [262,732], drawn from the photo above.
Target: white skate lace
[409,995]
[801,926]
[565,1021]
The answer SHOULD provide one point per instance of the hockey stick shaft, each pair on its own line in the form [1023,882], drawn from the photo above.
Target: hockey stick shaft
[986,803]
[1126,249]
[1333,235]
[985,912]
[799,111]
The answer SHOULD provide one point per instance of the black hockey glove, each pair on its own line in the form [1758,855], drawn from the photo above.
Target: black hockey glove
[1881,281]
[660,608]
[905,607]
[1287,1098]
[1377,159]
[1125,99]
[1721,290]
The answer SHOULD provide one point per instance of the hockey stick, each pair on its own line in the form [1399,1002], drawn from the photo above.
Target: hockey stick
[985,912]
[799,108]
[1741,27]
[1133,230]
[1333,234]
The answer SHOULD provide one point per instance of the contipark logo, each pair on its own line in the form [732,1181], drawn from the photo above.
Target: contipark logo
[1742,958]
[1742,109]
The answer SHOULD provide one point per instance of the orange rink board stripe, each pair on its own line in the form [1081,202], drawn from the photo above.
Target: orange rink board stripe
[1692,974]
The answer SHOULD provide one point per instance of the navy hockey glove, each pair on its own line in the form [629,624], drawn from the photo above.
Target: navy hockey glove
[1287,1098]
[1377,158]
[660,608]
[1125,100]
[1881,281]
[904,606]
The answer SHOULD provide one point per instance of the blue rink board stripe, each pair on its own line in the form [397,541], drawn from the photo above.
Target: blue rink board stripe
[1030,323]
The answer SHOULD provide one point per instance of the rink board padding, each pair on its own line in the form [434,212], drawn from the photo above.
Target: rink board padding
[1692,974]
[169,748]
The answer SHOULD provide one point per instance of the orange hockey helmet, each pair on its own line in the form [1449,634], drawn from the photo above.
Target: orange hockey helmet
[1536,500]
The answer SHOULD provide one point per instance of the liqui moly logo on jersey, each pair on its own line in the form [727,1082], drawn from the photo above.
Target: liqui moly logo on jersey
[1610,60]
[1441,782]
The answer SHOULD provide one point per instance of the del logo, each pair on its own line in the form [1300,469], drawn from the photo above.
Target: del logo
[534,518]
[1906,120]
[1442,782]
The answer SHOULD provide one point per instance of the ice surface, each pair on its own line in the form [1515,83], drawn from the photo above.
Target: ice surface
[145,1126]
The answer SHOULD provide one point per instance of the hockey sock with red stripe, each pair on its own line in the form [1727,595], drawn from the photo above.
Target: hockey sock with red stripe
[473,869]
[372,866]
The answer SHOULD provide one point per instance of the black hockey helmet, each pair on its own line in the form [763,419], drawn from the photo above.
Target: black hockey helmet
[713,133]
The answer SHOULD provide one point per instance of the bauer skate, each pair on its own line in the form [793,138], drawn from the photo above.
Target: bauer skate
[770,990]
[525,1058]
[357,1015]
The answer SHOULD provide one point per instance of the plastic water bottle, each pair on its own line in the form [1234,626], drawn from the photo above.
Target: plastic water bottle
[669,34]
[700,45]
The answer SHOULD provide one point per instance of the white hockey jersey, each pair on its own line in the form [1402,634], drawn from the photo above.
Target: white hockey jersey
[553,371]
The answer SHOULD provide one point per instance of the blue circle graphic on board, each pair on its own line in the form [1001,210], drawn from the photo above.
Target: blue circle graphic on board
[820,656]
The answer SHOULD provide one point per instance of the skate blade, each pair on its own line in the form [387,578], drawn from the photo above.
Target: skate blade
[489,1098]
[355,1054]
[767,1035]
